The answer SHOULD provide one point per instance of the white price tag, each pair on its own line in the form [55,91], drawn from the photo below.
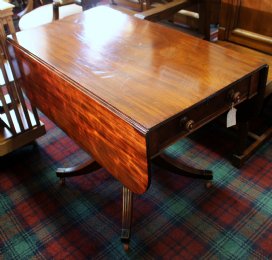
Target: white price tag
[231,117]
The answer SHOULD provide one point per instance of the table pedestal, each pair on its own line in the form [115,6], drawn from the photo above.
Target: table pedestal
[162,161]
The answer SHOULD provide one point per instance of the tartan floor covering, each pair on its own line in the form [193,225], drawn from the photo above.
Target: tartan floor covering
[177,218]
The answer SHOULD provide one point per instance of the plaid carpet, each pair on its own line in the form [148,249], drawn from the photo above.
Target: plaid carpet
[177,218]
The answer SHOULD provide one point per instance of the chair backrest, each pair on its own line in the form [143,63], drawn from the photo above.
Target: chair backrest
[19,120]
[190,14]
[85,4]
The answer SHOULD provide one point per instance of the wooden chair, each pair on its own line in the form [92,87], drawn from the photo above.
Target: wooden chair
[135,5]
[46,14]
[19,123]
[58,9]
[85,4]
[31,4]
[192,16]
[140,5]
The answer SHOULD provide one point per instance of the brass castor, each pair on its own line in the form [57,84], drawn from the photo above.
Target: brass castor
[62,181]
[126,246]
[208,184]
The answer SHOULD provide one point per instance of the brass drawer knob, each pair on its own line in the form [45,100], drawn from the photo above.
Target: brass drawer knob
[235,96]
[187,124]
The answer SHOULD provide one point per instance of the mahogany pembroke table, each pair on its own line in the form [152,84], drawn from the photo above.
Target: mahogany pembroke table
[125,89]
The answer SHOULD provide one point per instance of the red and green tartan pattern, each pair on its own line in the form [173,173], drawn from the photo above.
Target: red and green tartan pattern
[177,218]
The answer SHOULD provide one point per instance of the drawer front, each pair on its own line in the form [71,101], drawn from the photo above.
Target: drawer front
[200,114]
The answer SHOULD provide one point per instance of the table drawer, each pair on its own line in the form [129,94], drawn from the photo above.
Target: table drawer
[200,114]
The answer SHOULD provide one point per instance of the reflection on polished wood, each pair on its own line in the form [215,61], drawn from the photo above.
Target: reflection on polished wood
[128,88]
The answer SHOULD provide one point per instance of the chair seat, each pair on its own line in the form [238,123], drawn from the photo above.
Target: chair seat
[44,14]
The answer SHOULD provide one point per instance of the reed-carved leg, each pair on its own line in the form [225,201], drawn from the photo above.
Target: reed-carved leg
[166,162]
[126,217]
[85,168]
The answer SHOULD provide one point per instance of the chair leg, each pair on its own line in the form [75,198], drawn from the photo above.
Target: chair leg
[245,151]
[126,217]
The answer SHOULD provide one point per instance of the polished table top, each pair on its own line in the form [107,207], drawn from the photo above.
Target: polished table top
[144,70]
[137,74]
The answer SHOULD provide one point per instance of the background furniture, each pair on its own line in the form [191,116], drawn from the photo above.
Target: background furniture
[31,4]
[247,23]
[19,124]
[50,12]
[85,4]
[245,26]
[44,14]
[191,16]
[133,5]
